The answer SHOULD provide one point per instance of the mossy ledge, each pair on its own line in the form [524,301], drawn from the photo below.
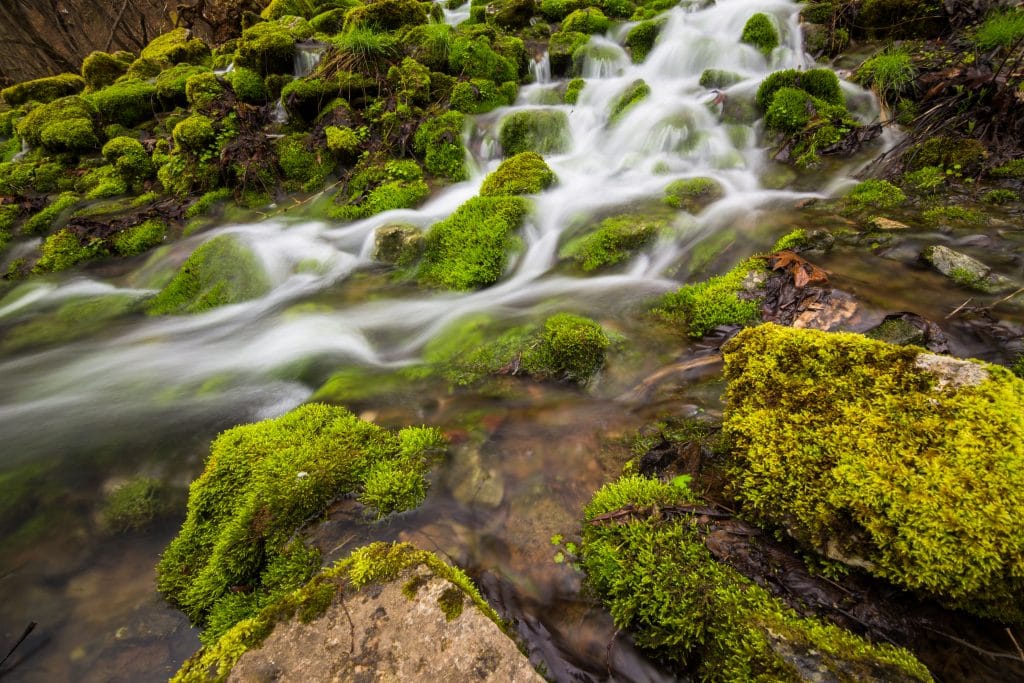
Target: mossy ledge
[903,463]
[375,564]
[236,552]
[658,580]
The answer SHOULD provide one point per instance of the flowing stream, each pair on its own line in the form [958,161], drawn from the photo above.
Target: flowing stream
[144,395]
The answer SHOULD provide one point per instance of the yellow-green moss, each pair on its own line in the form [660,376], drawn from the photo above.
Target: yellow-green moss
[260,485]
[703,306]
[101,69]
[68,124]
[439,140]
[760,32]
[379,185]
[43,89]
[64,249]
[129,157]
[176,46]
[141,237]
[269,47]
[524,173]
[693,194]
[637,91]
[615,240]
[857,450]
[658,580]
[132,505]
[544,131]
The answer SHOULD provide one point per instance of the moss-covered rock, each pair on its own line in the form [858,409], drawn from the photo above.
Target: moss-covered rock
[171,83]
[439,140]
[614,240]
[544,131]
[377,186]
[561,48]
[512,14]
[175,47]
[475,58]
[401,245]
[247,85]
[101,69]
[129,157]
[269,47]
[53,214]
[287,8]
[65,249]
[693,194]
[586,20]
[820,83]
[634,93]
[718,78]
[43,89]
[133,505]
[386,15]
[305,98]
[141,237]
[525,173]
[760,32]
[301,167]
[127,102]
[68,124]
[640,40]
[479,95]
[261,483]
[873,195]
[221,271]
[657,578]
[573,90]
[203,90]
[470,248]
[901,462]
[729,299]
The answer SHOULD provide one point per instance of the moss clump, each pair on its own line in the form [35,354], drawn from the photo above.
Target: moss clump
[469,249]
[561,48]
[43,89]
[890,73]
[194,133]
[722,300]
[944,215]
[587,20]
[477,58]
[791,109]
[175,47]
[439,140]
[820,83]
[64,249]
[386,15]
[128,103]
[141,237]
[375,564]
[380,186]
[305,98]
[132,505]
[343,142]
[102,182]
[573,90]
[718,79]
[637,91]
[640,40]
[43,176]
[260,485]
[544,131]
[221,271]
[171,83]
[64,125]
[302,168]
[760,32]
[693,194]
[203,89]
[1011,169]
[525,173]
[247,85]
[874,194]
[287,8]
[129,158]
[101,69]
[861,451]
[615,240]
[269,47]
[46,219]
[1000,196]
[479,95]
[658,579]
[953,154]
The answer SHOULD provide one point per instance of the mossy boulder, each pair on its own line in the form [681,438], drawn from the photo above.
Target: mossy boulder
[733,298]
[614,240]
[476,58]
[43,89]
[141,237]
[261,483]
[175,47]
[719,78]
[659,581]
[761,33]
[637,91]
[561,48]
[127,103]
[247,85]
[219,272]
[820,83]
[873,195]
[68,124]
[524,173]
[101,69]
[439,141]
[65,249]
[302,167]
[965,270]
[586,20]
[287,8]
[901,462]
[171,83]
[511,14]
[203,90]
[544,131]
[573,89]
[480,95]
[640,40]
[378,185]
[305,98]
[386,15]
[693,194]
[269,47]
[470,248]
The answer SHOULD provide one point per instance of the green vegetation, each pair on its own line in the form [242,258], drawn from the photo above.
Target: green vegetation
[890,73]
[640,40]
[129,158]
[64,249]
[101,69]
[301,167]
[470,248]
[790,110]
[693,194]
[67,124]
[176,46]
[729,299]
[659,581]
[873,195]
[820,83]
[524,173]
[128,103]
[43,89]
[269,47]
[378,186]
[439,141]
[1000,196]
[221,271]
[615,240]
[1000,30]
[262,482]
[718,79]
[141,237]
[544,131]
[46,219]
[760,32]
[943,215]
[132,505]
[573,89]
[864,454]
[586,20]
[633,94]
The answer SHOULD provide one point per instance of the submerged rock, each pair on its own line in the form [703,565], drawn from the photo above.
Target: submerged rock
[965,270]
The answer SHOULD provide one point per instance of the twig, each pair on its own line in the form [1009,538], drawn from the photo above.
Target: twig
[1006,298]
[1015,643]
[117,22]
[972,646]
[28,629]
[959,308]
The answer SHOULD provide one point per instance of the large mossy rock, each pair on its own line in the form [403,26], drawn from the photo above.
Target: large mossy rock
[544,131]
[261,483]
[904,463]
[648,564]
[220,272]
[43,89]
[381,612]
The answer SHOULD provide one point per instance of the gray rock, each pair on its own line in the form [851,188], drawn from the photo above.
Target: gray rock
[965,270]
[952,372]
[398,244]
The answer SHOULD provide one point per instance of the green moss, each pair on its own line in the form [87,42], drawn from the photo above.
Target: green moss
[890,73]
[248,85]
[872,195]
[378,186]
[342,142]
[141,237]
[794,239]
[46,219]
[882,462]
[524,173]
[171,83]
[693,194]
[386,15]
[544,131]
[301,167]
[392,486]
[221,271]
[1011,169]
[1000,30]
[790,110]
[703,306]
[194,133]
[451,602]
[132,505]
[954,154]
[64,125]
[101,69]
[561,48]
[205,203]
[1000,196]
[718,79]
[64,249]
[615,240]
[439,140]
[102,182]
[942,215]
[176,46]
[43,89]
[640,40]
[142,69]
[760,32]
[305,98]
[556,10]
[331,21]
[820,83]
[42,176]
[269,47]
[479,95]
[128,103]
[203,89]
[925,180]
[430,45]
[260,484]
[129,157]
[637,91]
[586,20]
[659,581]
[285,8]
[475,58]
[469,249]
[573,89]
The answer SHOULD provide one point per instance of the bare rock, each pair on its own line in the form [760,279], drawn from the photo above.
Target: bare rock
[952,372]
[965,270]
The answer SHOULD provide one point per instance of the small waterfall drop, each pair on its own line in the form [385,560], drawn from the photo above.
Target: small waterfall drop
[307,56]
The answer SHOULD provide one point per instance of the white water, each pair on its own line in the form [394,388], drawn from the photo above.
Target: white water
[154,371]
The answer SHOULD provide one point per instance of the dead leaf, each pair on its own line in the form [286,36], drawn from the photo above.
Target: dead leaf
[803,271]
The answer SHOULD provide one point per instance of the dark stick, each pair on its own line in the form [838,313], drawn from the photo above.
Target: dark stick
[28,629]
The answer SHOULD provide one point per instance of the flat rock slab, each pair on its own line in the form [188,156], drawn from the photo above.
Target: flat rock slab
[380,634]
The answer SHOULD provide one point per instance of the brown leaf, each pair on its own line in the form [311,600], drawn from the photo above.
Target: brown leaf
[803,271]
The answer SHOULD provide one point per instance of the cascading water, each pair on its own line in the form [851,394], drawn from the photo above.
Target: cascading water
[150,380]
